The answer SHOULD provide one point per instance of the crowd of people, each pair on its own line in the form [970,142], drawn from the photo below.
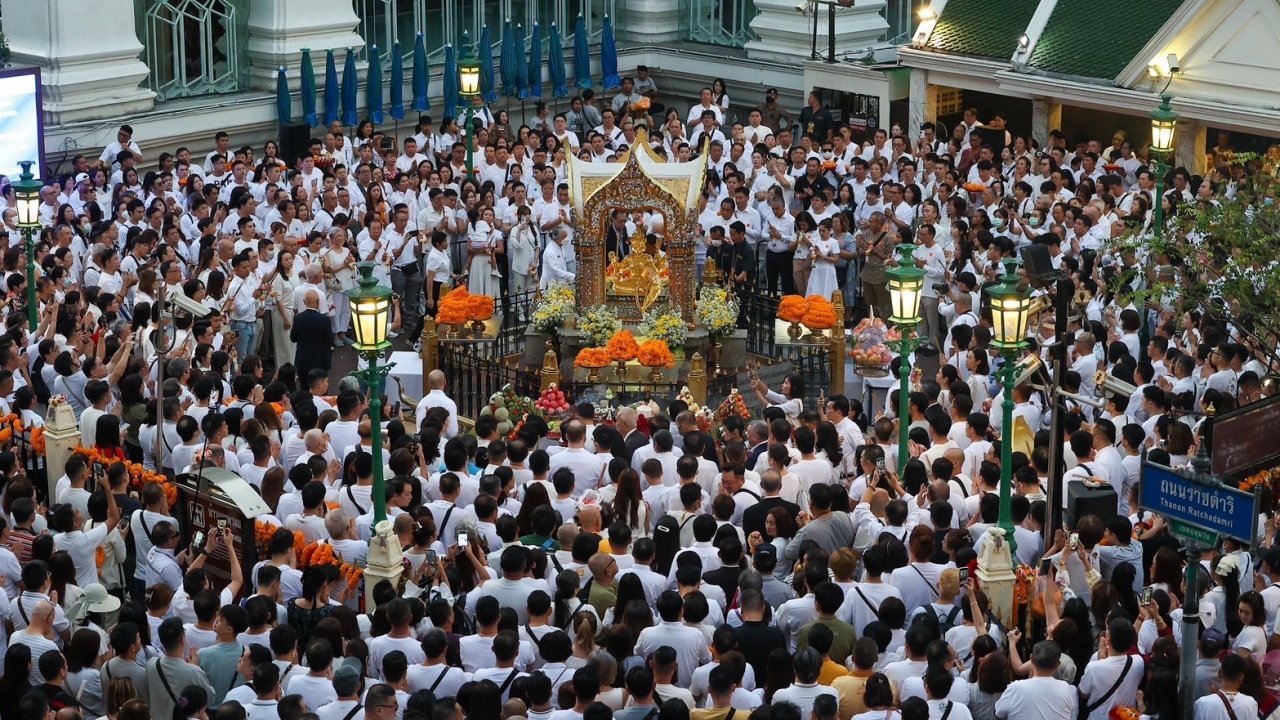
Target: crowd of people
[785,566]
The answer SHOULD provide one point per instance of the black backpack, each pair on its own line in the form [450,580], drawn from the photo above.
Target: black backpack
[462,624]
[945,622]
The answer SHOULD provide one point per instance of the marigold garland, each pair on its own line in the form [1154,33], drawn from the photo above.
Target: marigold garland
[655,353]
[592,358]
[37,440]
[820,313]
[454,307]
[138,475]
[321,553]
[480,307]
[792,308]
[623,347]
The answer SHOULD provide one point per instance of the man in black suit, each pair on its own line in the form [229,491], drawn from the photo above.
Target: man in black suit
[753,517]
[757,440]
[314,337]
[631,439]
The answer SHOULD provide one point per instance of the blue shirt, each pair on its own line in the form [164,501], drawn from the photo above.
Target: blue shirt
[219,664]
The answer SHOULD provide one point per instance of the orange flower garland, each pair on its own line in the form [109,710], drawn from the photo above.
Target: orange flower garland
[820,315]
[792,308]
[454,307]
[318,553]
[592,358]
[655,353]
[622,346]
[480,307]
[37,440]
[138,475]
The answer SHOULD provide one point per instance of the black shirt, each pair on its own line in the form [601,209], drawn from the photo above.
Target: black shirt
[755,641]
[816,124]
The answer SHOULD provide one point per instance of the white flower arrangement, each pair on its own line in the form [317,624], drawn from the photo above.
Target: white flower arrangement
[663,323]
[554,309]
[598,324]
[717,310]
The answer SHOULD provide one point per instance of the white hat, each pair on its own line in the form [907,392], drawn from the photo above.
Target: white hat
[82,178]
[97,600]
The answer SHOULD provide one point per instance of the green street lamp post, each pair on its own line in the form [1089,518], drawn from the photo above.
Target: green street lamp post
[370,311]
[469,89]
[1010,306]
[906,281]
[27,189]
[1164,122]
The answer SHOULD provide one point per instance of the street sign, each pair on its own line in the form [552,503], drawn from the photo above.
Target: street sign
[1211,508]
[1237,444]
[1191,532]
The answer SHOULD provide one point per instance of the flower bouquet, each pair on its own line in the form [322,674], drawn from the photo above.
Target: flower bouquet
[717,310]
[974,187]
[820,315]
[870,355]
[598,324]
[655,355]
[666,325]
[480,307]
[554,308]
[792,309]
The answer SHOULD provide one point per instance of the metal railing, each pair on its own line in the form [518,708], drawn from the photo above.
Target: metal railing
[442,22]
[194,47]
[720,22]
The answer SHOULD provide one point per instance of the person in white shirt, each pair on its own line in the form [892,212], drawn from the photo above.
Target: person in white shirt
[554,263]
[1041,696]
[689,643]
[807,664]
[436,397]
[1113,664]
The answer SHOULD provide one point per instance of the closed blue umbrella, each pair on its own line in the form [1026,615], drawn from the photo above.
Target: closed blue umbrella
[581,54]
[373,86]
[555,57]
[535,62]
[609,57]
[350,93]
[421,75]
[284,103]
[488,84]
[522,76]
[332,90]
[308,88]
[508,64]
[450,83]
[397,82]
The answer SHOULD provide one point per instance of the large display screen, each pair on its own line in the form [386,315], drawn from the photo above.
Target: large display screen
[21,135]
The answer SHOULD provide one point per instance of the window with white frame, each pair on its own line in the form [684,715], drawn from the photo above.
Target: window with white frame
[194,47]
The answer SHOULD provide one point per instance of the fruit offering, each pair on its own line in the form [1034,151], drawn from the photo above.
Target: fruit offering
[592,358]
[508,408]
[655,353]
[731,406]
[705,417]
[687,397]
[868,343]
[552,401]
[820,315]
[878,355]
[454,307]
[792,308]
[623,346]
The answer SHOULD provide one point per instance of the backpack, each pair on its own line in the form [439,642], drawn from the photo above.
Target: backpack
[38,385]
[462,624]
[945,622]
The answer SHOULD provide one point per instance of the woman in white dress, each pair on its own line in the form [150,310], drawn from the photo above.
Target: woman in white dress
[339,275]
[826,253]
[484,244]
[282,287]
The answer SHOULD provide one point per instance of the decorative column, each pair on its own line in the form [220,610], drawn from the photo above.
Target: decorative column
[995,575]
[698,378]
[651,21]
[923,106]
[836,348]
[1189,141]
[80,80]
[550,368]
[1046,116]
[280,29]
[384,562]
[785,33]
[61,436]
[430,353]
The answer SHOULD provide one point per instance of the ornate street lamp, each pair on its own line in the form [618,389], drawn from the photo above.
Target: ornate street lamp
[1164,123]
[27,189]
[905,284]
[1010,306]
[371,310]
[469,89]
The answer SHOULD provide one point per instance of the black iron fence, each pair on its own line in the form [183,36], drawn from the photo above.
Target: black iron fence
[475,373]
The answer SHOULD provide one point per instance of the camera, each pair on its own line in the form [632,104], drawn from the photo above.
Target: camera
[941,288]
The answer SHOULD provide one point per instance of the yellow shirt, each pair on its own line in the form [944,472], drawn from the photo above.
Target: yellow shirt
[830,671]
[851,689]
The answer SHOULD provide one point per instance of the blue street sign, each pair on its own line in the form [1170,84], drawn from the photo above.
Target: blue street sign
[1226,511]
